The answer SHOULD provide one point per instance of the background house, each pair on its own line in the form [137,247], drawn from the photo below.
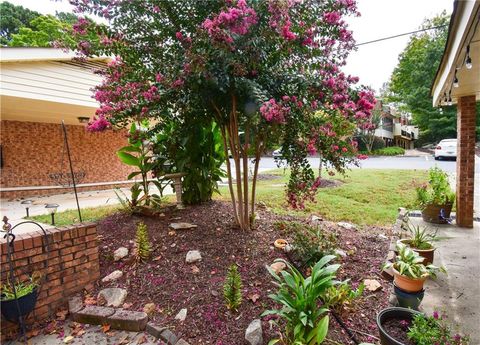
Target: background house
[395,127]
[40,87]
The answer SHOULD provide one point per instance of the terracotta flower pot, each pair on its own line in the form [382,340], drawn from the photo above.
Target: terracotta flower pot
[431,213]
[407,284]
[428,254]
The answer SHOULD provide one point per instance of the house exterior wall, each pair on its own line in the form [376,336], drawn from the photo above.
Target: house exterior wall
[31,151]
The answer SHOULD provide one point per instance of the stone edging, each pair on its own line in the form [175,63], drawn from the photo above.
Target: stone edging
[397,233]
[122,319]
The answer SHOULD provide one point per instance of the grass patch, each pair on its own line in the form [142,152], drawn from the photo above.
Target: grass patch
[89,214]
[366,197]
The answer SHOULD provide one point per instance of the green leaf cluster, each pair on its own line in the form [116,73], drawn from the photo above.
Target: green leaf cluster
[143,247]
[437,191]
[299,297]
[232,288]
[429,330]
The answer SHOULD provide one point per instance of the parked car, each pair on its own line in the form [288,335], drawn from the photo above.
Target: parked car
[447,148]
[277,153]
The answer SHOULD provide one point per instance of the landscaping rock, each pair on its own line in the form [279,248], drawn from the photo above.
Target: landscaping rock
[182,315]
[277,267]
[387,273]
[154,330]
[75,304]
[113,276]
[391,255]
[93,315]
[347,226]
[120,253]
[149,308]
[182,342]
[128,320]
[254,333]
[193,256]
[113,297]
[182,226]
[372,285]
[315,219]
[169,337]
[341,253]
[383,237]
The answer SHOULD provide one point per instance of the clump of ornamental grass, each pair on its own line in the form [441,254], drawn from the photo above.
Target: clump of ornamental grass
[143,247]
[232,288]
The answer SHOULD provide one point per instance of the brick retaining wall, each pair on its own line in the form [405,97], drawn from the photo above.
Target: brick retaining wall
[73,263]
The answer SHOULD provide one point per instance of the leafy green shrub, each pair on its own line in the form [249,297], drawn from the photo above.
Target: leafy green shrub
[143,247]
[437,191]
[432,330]
[389,151]
[310,244]
[306,322]
[341,297]
[232,288]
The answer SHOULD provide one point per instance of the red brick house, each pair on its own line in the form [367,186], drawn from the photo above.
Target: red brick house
[40,87]
[458,81]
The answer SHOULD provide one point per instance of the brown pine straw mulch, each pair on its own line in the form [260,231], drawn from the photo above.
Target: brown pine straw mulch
[172,284]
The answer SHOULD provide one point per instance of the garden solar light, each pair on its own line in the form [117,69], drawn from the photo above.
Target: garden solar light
[52,209]
[26,205]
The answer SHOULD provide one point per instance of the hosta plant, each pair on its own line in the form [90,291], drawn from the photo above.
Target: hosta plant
[410,264]
[305,321]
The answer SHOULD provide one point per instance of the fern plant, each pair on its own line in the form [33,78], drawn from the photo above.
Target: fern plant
[143,247]
[232,289]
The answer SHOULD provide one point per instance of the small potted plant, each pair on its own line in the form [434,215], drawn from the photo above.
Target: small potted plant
[436,198]
[21,302]
[420,241]
[431,330]
[392,324]
[409,270]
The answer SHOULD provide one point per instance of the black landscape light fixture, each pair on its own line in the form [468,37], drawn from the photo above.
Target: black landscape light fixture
[52,209]
[26,205]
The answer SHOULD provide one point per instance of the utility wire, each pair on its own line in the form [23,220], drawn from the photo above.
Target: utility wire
[405,34]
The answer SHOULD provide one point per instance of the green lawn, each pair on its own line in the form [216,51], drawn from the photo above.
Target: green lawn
[90,214]
[366,197]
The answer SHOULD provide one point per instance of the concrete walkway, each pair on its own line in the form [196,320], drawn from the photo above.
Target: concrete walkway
[458,292]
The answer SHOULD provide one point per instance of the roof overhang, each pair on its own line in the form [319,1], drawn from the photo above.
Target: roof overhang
[464,20]
[23,54]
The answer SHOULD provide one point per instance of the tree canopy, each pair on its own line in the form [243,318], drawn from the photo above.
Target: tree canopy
[412,79]
[14,18]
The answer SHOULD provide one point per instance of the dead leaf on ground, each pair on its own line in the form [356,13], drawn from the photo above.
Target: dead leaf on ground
[157,258]
[126,305]
[89,300]
[195,269]
[124,340]
[33,333]
[62,314]
[142,339]
[105,328]
[254,297]
[68,339]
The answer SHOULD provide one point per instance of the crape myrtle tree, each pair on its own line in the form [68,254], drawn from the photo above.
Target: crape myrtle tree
[266,69]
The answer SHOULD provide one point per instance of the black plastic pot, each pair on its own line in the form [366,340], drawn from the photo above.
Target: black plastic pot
[389,314]
[408,299]
[26,303]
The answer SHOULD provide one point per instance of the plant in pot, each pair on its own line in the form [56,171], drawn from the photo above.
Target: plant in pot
[409,269]
[436,198]
[392,324]
[420,241]
[19,300]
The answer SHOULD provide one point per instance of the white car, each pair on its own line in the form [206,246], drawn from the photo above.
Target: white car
[447,148]
[277,153]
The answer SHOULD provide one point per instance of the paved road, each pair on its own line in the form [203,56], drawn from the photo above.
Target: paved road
[398,162]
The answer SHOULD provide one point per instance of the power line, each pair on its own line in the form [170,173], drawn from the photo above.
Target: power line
[405,34]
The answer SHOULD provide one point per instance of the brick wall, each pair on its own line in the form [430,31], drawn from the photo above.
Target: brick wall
[31,151]
[466,125]
[73,263]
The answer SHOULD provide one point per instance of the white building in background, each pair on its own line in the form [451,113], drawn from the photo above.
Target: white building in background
[395,128]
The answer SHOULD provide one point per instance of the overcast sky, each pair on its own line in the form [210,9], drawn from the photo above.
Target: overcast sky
[373,63]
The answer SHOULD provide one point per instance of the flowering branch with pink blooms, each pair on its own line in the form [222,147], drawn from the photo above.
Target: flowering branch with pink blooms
[269,69]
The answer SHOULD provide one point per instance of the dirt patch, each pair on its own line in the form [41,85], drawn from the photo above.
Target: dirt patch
[171,284]
[397,329]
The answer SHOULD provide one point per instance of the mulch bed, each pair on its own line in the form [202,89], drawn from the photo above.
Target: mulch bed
[172,284]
